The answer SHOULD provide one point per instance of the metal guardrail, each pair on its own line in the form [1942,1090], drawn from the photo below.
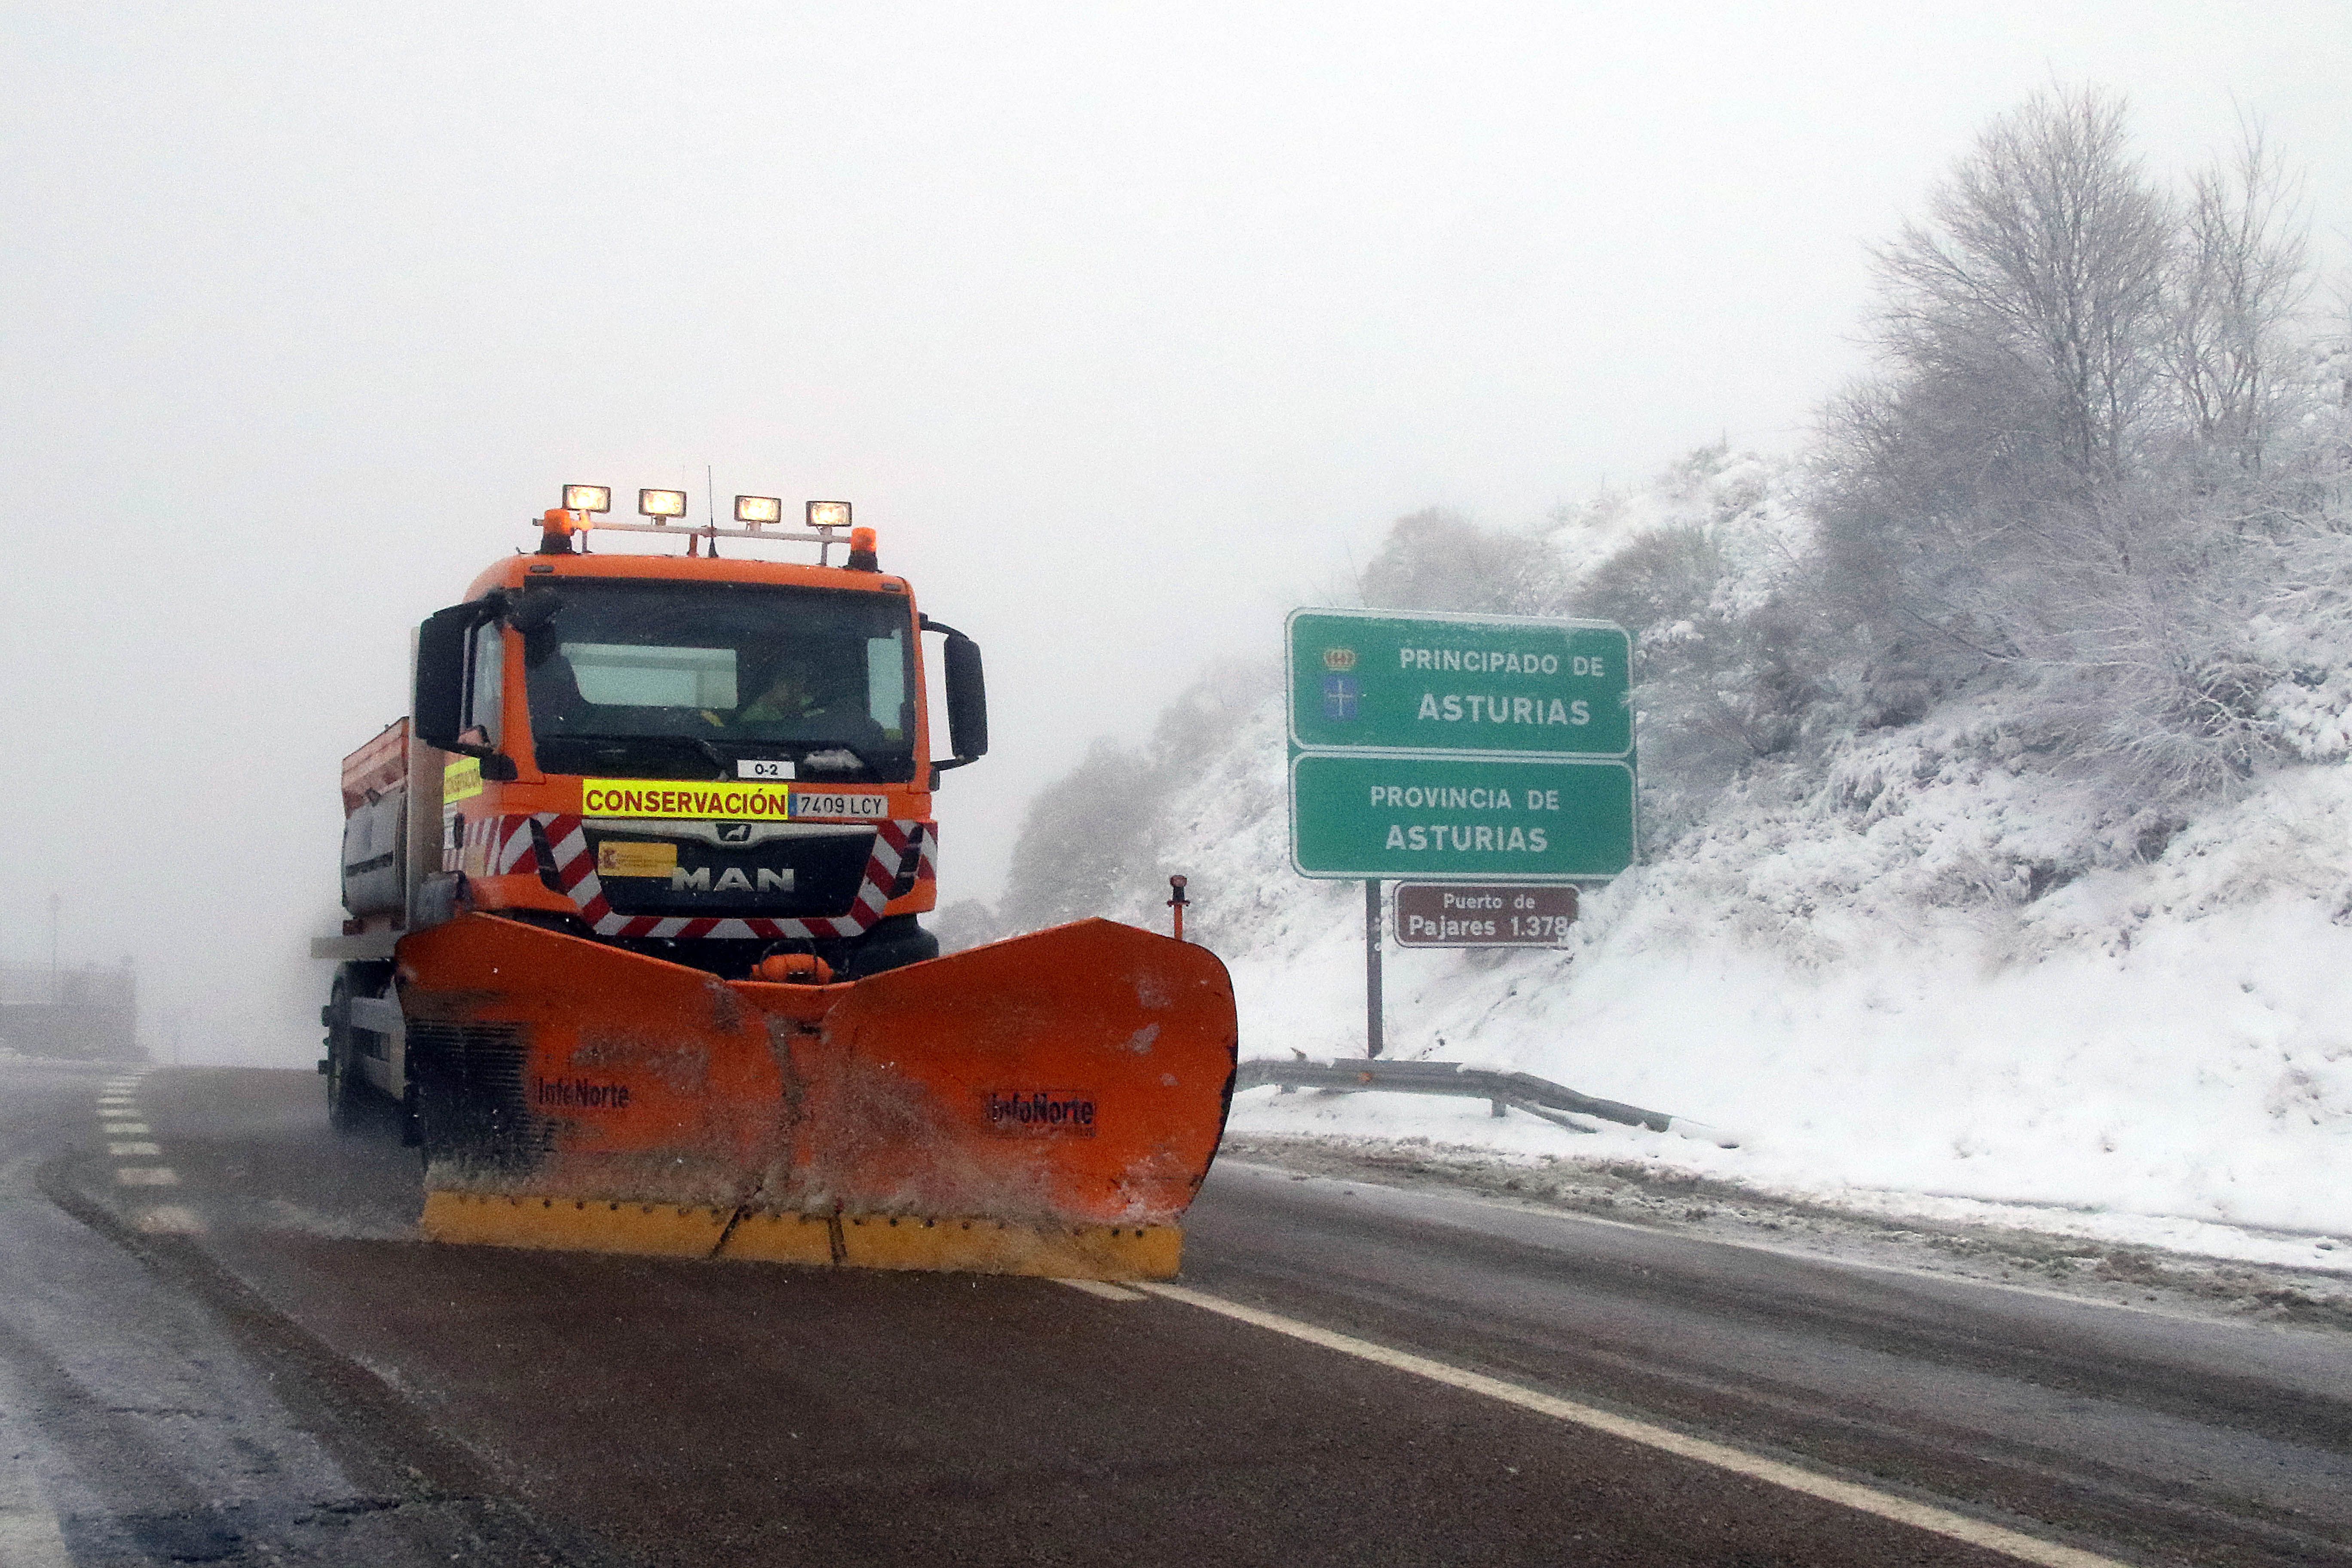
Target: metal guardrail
[1538,1097]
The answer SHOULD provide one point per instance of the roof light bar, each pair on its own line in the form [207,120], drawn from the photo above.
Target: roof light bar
[665,512]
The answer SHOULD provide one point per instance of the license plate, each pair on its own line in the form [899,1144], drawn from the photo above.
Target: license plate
[840,802]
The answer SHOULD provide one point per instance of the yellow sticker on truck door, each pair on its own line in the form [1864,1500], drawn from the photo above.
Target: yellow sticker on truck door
[461,779]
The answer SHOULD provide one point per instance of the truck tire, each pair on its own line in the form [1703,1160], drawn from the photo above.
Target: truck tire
[344,1085]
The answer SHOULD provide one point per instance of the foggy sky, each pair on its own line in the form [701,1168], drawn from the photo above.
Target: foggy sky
[1128,328]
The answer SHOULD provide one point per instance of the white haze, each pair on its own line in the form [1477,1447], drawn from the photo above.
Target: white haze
[1128,328]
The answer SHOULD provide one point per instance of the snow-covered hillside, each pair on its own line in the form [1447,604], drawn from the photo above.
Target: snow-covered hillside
[1911,966]
[2160,1038]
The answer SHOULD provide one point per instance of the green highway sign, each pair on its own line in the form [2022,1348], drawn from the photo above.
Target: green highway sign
[1434,818]
[1385,680]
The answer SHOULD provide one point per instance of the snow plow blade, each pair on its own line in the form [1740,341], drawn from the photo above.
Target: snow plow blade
[1044,1105]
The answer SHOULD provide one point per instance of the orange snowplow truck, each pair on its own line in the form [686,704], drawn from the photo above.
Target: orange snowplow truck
[634,945]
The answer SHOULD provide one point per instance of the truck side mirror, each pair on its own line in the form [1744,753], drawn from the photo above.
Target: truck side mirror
[966,698]
[437,702]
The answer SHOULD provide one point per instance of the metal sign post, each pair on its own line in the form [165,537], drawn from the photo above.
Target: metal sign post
[1458,749]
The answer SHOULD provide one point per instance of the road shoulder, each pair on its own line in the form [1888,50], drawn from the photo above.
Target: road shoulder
[1628,1193]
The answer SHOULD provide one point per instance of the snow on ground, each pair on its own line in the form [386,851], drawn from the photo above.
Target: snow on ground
[2153,1053]
[2169,1045]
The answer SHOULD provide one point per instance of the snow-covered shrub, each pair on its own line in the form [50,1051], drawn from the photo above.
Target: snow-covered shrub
[1438,560]
[1090,844]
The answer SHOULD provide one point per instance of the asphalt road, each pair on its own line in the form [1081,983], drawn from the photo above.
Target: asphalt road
[241,1356]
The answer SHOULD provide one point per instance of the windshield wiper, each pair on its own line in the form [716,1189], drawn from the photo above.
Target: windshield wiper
[823,758]
[828,757]
[671,744]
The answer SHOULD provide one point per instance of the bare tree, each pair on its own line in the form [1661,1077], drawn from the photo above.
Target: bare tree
[2023,333]
[2075,469]
[2043,273]
[2241,274]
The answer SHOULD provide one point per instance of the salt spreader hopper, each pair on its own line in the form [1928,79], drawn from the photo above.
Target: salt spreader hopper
[634,944]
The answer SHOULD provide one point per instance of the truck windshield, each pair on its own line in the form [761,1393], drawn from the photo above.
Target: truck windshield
[687,679]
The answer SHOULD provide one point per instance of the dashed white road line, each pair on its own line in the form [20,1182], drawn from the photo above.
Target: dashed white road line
[165,1219]
[114,1104]
[1721,1455]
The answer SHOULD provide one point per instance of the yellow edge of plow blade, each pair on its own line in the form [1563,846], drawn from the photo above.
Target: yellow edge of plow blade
[855,1241]
[575,1225]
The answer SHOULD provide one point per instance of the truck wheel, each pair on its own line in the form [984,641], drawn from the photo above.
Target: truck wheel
[343,1083]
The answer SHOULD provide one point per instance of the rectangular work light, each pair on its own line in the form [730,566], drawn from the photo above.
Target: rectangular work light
[757,509]
[662,503]
[587,497]
[828,514]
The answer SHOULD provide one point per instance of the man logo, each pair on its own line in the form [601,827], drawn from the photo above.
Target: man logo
[1339,658]
[734,832]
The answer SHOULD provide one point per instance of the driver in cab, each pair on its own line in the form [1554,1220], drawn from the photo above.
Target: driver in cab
[791,697]
[796,698]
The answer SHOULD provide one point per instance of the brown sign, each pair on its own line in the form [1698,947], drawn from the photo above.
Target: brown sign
[1483,914]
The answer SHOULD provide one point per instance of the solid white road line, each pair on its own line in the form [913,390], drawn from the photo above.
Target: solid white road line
[1722,1456]
[1102,1288]
[29,1537]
